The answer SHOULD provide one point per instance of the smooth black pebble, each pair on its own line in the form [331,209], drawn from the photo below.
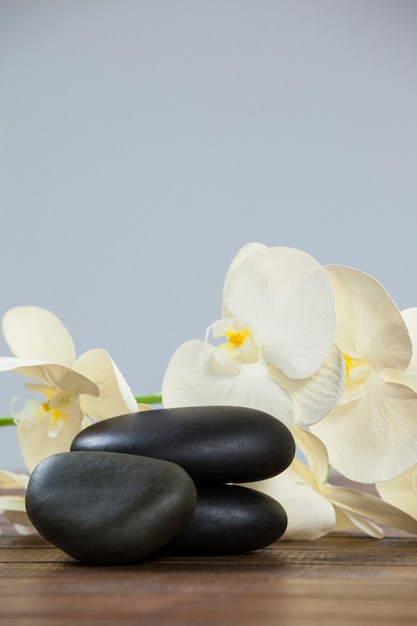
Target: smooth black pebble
[230,519]
[109,508]
[225,444]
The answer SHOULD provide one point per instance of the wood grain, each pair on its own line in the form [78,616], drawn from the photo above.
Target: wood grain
[336,580]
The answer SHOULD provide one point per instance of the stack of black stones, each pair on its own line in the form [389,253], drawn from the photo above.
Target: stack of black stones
[163,481]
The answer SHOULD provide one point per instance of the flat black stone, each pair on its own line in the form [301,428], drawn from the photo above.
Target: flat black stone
[109,508]
[225,444]
[230,520]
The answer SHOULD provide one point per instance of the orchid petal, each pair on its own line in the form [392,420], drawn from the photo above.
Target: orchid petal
[10,363]
[56,426]
[11,480]
[41,388]
[57,376]
[315,453]
[315,396]
[15,511]
[12,503]
[309,514]
[372,439]
[358,503]
[31,413]
[115,397]
[406,376]
[343,522]
[228,358]
[284,297]
[368,322]
[21,523]
[368,527]
[35,333]
[243,254]
[144,407]
[401,491]
[304,473]
[194,378]
[410,318]
[35,443]
[351,393]
[61,377]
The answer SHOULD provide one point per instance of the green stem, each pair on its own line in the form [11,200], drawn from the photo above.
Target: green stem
[153,398]
[7,421]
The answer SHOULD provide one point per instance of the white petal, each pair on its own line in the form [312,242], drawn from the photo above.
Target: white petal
[9,363]
[115,396]
[343,522]
[410,318]
[315,453]
[406,376]
[243,254]
[36,445]
[366,505]
[246,251]
[144,407]
[11,480]
[228,358]
[194,378]
[285,299]
[375,438]
[368,323]
[310,515]
[62,378]
[368,527]
[41,388]
[15,511]
[351,393]
[22,524]
[57,376]
[12,503]
[35,333]
[401,491]
[31,413]
[315,396]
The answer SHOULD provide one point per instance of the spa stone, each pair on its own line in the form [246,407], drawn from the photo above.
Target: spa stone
[225,444]
[109,508]
[229,519]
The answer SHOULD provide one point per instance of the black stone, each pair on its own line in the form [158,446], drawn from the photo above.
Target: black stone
[109,508]
[230,519]
[225,444]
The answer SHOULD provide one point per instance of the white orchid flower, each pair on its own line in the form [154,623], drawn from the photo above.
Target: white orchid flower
[315,507]
[73,389]
[371,435]
[277,354]
[401,491]
[408,375]
[13,506]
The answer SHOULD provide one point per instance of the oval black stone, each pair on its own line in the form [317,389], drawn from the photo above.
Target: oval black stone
[225,444]
[109,508]
[230,519]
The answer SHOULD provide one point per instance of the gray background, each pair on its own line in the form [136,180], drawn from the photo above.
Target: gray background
[143,143]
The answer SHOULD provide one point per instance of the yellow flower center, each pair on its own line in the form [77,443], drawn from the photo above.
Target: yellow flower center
[56,403]
[55,413]
[237,337]
[239,347]
[357,369]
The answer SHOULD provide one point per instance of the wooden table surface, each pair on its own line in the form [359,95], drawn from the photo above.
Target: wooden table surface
[332,581]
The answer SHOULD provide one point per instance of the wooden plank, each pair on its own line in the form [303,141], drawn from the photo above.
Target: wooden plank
[334,581]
